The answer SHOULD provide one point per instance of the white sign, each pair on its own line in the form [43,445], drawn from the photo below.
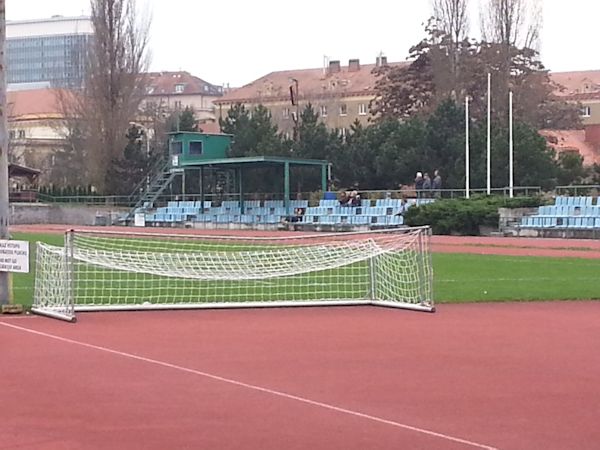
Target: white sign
[139,220]
[14,256]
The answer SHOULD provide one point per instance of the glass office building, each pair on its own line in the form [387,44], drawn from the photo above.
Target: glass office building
[48,51]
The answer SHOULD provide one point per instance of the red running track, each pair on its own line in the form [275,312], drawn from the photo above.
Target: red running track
[506,376]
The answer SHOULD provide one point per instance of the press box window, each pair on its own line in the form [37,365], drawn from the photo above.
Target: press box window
[196,148]
[176,148]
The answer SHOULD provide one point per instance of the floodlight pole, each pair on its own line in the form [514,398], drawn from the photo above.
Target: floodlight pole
[467,151]
[511,164]
[4,209]
[489,136]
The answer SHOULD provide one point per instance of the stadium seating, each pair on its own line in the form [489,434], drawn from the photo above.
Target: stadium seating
[579,213]
[371,213]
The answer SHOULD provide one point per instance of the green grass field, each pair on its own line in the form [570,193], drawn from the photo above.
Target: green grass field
[457,277]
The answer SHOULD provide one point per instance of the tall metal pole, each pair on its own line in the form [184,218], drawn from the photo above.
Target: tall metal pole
[489,136]
[467,152]
[4,210]
[511,172]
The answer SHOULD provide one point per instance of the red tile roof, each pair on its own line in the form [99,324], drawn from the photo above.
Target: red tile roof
[574,83]
[573,141]
[36,102]
[166,83]
[312,84]
[210,127]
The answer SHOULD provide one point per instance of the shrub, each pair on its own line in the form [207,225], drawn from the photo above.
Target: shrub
[464,217]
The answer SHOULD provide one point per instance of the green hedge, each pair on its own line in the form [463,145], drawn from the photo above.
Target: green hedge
[464,217]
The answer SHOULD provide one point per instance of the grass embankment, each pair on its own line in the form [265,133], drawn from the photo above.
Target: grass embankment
[458,278]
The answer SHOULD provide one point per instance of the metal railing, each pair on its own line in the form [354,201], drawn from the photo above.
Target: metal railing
[579,190]
[129,201]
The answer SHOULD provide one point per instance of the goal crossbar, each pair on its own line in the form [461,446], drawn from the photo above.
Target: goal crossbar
[104,270]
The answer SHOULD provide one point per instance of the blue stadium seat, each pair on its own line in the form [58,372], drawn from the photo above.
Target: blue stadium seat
[395,220]
[273,204]
[198,204]
[328,203]
[359,220]
[597,222]
[299,204]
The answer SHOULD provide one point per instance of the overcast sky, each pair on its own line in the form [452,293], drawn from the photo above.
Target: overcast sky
[237,41]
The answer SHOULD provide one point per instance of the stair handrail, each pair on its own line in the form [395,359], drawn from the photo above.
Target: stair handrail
[149,178]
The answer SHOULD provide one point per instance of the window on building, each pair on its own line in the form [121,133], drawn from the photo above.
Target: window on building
[323,111]
[343,110]
[286,113]
[362,109]
[177,104]
[21,134]
[176,148]
[343,133]
[179,88]
[586,111]
[196,148]
[12,134]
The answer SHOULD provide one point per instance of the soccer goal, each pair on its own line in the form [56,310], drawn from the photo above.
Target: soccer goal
[96,271]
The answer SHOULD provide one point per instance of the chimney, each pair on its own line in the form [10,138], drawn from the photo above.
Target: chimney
[354,65]
[334,67]
[381,61]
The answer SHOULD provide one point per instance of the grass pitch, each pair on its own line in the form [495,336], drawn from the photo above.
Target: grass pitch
[457,277]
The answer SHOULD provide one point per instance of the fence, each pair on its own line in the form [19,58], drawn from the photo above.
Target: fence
[128,201]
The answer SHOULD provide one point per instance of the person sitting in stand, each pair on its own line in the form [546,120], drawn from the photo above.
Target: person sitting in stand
[344,198]
[355,199]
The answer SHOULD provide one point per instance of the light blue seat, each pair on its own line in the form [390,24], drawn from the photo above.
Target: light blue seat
[526,222]
[597,222]
[273,204]
[328,203]
[588,222]
[395,220]
[359,220]
[207,204]
[299,204]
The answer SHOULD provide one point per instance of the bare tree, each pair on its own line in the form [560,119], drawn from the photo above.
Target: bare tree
[515,23]
[452,22]
[98,116]
[452,17]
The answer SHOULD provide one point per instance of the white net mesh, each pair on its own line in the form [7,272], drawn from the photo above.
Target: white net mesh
[127,271]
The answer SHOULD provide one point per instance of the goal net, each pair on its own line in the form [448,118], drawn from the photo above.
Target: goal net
[96,271]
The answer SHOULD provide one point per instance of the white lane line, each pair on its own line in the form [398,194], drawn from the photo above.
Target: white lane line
[256,388]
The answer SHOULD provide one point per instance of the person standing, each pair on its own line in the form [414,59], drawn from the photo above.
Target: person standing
[426,185]
[419,184]
[437,184]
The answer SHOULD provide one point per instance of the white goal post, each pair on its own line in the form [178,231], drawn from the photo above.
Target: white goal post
[100,270]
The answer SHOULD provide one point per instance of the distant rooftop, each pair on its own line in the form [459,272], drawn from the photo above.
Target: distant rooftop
[355,79]
[180,83]
[53,26]
[579,83]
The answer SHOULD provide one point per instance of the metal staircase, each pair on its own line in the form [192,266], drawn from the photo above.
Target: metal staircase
[161,175]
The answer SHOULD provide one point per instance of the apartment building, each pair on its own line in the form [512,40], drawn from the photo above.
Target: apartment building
[174,91]
[340,94]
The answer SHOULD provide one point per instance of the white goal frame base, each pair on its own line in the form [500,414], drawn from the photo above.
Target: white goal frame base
[240,305]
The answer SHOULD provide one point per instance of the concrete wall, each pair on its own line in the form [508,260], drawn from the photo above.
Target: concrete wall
[39,213]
